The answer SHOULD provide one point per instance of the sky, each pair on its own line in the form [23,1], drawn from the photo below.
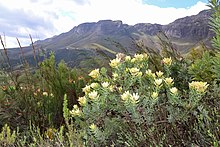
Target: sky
[46,18]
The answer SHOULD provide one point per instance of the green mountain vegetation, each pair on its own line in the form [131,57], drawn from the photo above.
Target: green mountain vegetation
[111,84]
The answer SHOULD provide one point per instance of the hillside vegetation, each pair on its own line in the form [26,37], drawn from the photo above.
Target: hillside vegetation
[154,97]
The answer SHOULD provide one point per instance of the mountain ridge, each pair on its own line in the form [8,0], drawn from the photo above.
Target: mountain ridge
[190,28]
[91,37]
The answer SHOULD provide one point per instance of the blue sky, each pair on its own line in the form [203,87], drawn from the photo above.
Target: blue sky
[46,18]
[173,3]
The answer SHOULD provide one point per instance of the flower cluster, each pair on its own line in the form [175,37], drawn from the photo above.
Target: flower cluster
[93,127]
[82,101]
[174,90]
[128,97]
[76,111]
[150,74]
[198,86]
[169,81]
[115,62]
[105,84]
[167,61]
[93,95]
[94,74]
[135,71]
[139,57]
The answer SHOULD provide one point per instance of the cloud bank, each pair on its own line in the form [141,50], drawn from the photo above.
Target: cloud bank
[43,19]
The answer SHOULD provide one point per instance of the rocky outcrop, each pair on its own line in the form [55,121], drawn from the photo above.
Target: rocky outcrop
[194,27]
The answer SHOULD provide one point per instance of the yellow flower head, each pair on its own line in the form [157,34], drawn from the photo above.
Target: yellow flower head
[94,85]
[120,89]
[82,101]
[174,90]
[145,56]
[139,57]
[158,82]
[45,93]
[128,58]
[154,95]
[150,74]
[159,74]
[111,88]
[167,61]
[198,86]
[86,89]
[134,98]
[94,74]
[93,95]
[93,127]
[140,74]
[115,75]
[76,111]
[114,63]
[169,81]
[125,96]
[105,84]
[134,71]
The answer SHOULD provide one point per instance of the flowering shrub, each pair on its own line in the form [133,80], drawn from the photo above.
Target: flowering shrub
[135,106]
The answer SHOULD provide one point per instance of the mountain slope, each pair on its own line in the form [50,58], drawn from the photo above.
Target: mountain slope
[114,36]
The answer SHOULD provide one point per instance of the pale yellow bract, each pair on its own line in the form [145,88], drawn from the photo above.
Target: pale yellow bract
[86,89]
[94,85]
[134,71]
[158,82]
[198,86]
[82,101]
[93,127]
[125,96]
[167,61]
[93,95]
[150,74]
[45,93]
[159,74]
[94,74]
[76,111]
[135,98]
[154,95]
[168,81]
[174,90]
[105,84]
[114,63]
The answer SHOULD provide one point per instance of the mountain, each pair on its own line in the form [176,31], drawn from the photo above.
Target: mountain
[87,40]
[188,30]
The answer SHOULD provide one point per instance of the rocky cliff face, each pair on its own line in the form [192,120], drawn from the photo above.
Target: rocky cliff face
[194,27]
[147,28]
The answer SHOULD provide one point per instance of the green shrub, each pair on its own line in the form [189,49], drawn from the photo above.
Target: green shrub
[202,69]
[134,107]
[37,96]
[215,23]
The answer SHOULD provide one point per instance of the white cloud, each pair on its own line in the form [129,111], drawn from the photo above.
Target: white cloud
[43,19]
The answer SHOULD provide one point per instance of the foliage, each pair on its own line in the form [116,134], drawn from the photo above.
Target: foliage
[149,99]
[134,107]
[38,96]
[215,22]
[202,69]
